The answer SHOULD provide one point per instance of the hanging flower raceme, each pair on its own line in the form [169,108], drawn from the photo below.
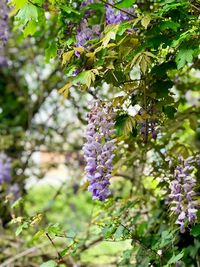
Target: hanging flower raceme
[182,194]
[5,168]
[115,16]
[149,127]
[85,34]
[3,30]
[99,149]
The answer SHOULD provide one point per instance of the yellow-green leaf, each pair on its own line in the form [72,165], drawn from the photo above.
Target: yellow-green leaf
[66,57]
[79,49]
[145,21]
[110,35]
[30,28]
[65,89]
[129,124]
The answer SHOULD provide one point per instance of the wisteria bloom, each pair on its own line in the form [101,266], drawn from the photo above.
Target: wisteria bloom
[115,16]
[182,194]
[85,34]
[149,127]
[14,190]
[98,149]
[3,30]
[87,2]
[5,168]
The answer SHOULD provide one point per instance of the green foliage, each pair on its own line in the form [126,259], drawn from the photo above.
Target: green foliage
[148,64]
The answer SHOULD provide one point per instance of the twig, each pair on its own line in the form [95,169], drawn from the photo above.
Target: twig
[34,4]
[50,239]
[123,176]
[122,10]
[195,7]
[22,254]
[137,240]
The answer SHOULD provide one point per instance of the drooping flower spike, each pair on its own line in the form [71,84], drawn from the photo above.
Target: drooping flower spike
[99,149]
[5,168]
[182,193]
[3,30]
[85,34]
[115,16]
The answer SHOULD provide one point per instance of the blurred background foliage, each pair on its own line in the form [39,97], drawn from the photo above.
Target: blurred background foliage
[55,222]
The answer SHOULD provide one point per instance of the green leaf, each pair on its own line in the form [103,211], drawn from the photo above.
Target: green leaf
[193,122]
[54,229]
[65,89]
[119,231]
[129,125]
[50,263]
[184,56]
[30,28]
[20,228]
[169,25]
[28,12]
[125,3]
[176,258]
[51,51]
[67,56]
[38,235]
[108,231]
[169,111]
[120,122]
[145,21]
[195,230]
[111,31]
[17,5]
[85,77]
[70,10]
[17,203]
[161,88]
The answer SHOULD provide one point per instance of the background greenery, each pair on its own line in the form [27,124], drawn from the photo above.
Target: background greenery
[43,108]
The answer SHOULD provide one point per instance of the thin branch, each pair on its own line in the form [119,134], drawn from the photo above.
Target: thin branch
[123,176]
[50,239]
[138,241]
[122,10]
[92,243]
[22,255]
[34,4]
[195,7]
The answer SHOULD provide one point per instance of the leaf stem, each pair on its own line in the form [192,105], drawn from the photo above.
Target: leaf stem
[50,239]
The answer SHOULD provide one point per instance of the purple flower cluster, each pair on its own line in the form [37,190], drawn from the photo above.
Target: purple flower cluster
[14,191]
[182,193]
[99,148]
[3,30]
[149,127]
[85,34]
[114,16]
[5,176]
[87,2]
[5,168]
